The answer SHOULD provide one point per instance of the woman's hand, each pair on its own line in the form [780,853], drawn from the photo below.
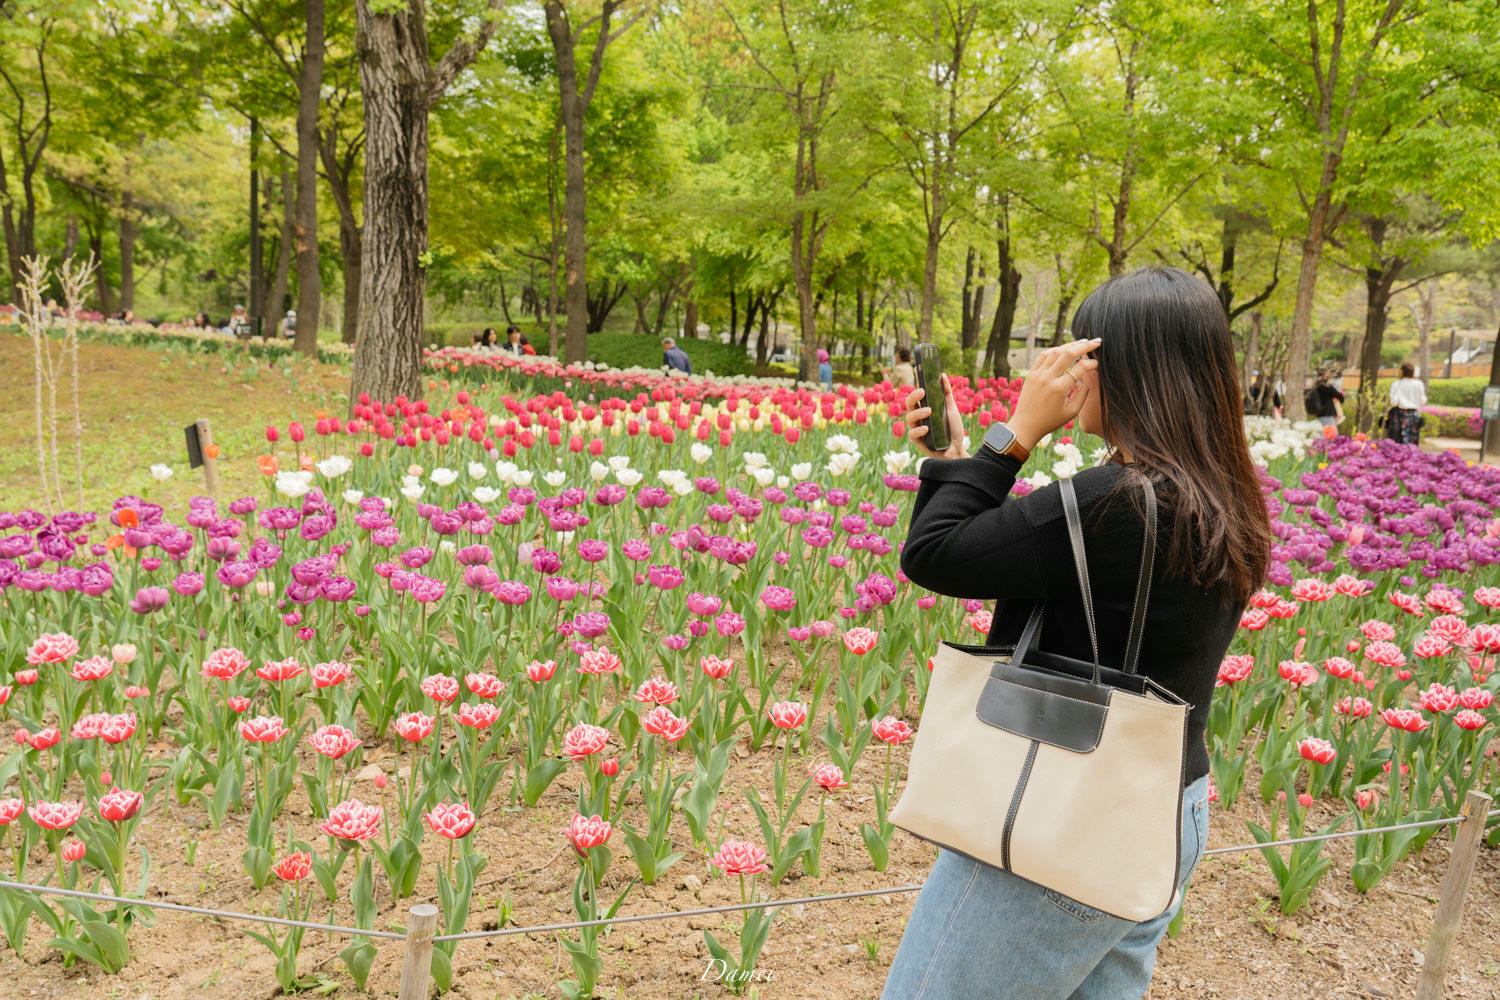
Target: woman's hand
[1054,391]
[917,432]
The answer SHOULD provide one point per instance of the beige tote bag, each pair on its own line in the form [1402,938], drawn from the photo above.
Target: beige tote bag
[1065,773]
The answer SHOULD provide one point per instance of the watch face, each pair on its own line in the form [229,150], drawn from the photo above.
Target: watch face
[999,437]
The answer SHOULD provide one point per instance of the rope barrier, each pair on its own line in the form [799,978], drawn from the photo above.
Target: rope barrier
[704,911]
[152,904]
[636,918]
[1346,833]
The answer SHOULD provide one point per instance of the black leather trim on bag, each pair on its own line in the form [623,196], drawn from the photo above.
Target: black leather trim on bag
[1015,805]
[1031,711]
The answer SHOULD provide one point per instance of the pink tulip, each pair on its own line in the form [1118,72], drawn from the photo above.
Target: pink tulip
[263,729]
[740,857]
[1319,751]
[584,740]
[587,832]
[414,727]
[788,714]
[451,820]
[352,820]
[333,742]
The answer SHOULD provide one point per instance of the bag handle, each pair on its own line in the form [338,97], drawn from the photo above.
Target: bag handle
[1137,631]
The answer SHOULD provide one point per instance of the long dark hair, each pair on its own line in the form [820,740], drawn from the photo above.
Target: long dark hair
[1170,399]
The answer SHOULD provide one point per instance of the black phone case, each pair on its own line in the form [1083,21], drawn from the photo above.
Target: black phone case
[931,384]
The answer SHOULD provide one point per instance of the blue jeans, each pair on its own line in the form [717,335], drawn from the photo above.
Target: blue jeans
[980,932]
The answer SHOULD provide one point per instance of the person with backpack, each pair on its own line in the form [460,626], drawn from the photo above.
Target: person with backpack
[1323,401]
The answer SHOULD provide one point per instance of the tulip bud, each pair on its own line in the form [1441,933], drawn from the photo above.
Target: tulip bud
[610,767]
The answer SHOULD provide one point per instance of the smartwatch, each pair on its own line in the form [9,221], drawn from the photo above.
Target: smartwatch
[1002,441]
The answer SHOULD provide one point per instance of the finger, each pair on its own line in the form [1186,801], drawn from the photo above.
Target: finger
[1078,348]
[913,397]
[921,413]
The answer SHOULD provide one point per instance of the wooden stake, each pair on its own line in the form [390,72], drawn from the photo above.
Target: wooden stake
[1451,899]
[416,967]
[210,465]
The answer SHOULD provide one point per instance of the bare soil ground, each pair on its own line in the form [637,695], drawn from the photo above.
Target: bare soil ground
[1235,944]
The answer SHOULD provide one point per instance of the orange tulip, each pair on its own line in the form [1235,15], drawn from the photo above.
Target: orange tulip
[320,415]
[1361,436]
[1330,432]
[212,451]
[128,518]
[267,464]
[307,461]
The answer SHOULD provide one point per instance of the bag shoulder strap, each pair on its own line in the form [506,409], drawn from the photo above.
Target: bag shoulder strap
[1142,582]
[1075,539]
[1143,577]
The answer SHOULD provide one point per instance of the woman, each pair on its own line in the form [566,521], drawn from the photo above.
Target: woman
[489,339]
[1324,401]
[1403,422]
[825,370]
[1153,373]
[901,374]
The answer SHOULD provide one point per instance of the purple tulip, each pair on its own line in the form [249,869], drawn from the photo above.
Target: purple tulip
[636,550]
[149,600]
[591,624]
[704,604]
[592,550]
[664,577]
[778,598]
[188,584]
[337,589]
[677,642]
[474,555]
[511,592]
[729,624]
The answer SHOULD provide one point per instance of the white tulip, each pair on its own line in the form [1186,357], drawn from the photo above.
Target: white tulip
[353,496]
[753,460]
[1038,480]
[161,473]
[410,480]
[598,471]
[291,486]
[486,494]
[895,461]
[701,452]
[505,470]
[764,477]
[555,478]
[447,546]
[412,491]
[478,470]
[628,478]
[841,442]
[444,477]
[783,481]
[522,477]
[334,466]
[801,470]
[618,462]
[682,487]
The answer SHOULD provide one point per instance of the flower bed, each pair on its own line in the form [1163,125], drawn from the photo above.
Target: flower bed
[516,599]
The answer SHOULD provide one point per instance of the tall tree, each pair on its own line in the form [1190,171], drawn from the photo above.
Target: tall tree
[575,99]
[309,96]
[972,56]
[399,85]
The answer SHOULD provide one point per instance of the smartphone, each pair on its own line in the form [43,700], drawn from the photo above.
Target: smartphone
[928,362]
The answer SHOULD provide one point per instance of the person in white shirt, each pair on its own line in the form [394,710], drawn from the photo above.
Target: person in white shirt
[1403,422]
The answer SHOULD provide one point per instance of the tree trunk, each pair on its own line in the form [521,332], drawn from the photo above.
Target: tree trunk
[997,351]
[393,76]
[309,93]
[972,310]
[1491,443]
[70,237]
[270,308]
[351,248]
[1252,352]
[1378,282]
[690,319]
[1300,353]
[763,342]
[640,314]
[574,104]
[96,247]
[1060,321]
[930,262]
[338,173]
[1426,303]
[127,251]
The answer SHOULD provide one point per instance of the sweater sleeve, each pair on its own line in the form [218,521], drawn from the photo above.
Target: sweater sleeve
[968,537]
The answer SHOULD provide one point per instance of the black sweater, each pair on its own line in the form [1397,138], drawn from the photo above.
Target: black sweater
[970,538]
